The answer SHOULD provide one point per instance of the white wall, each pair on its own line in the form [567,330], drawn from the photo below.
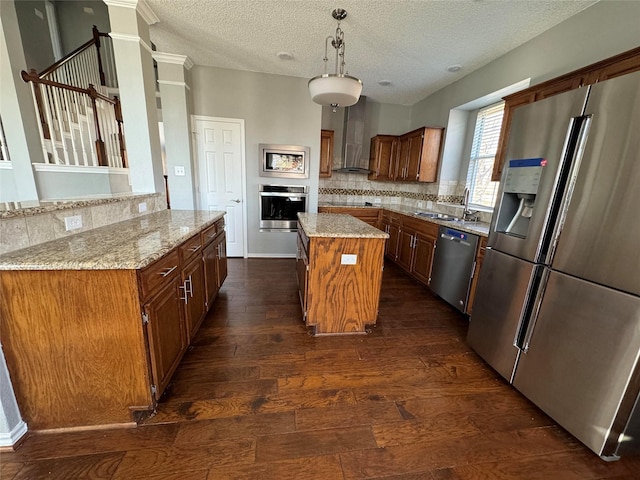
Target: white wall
[276,109]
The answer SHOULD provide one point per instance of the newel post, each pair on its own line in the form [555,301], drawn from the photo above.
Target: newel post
[117,107]
[100,148]
[34,78]
[96,40]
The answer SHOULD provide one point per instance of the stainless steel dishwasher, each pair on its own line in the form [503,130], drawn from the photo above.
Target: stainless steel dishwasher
[453,266]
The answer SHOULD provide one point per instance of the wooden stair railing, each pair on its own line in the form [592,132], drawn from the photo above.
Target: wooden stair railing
[65,106]
[63,109]
[84,65]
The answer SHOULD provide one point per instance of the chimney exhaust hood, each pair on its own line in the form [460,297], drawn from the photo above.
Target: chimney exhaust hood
[353,139]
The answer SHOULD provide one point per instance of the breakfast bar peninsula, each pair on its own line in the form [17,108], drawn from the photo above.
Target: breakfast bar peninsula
[339,266]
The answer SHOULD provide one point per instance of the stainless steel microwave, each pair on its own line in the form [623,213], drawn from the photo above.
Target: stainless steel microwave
[286,161]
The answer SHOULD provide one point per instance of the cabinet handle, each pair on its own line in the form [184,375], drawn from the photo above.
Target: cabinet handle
[195,249]
[167,271]
[189,289]
[183,287]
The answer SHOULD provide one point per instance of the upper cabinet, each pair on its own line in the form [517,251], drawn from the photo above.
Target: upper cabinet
[326,153]
[382,157]
[615,66]
[413,156]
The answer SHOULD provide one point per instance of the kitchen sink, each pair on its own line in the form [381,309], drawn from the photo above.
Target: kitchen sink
[437,216]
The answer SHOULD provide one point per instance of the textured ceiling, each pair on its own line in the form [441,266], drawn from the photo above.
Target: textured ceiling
[407,42]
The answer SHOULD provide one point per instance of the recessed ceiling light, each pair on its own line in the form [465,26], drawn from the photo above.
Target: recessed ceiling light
[454,68]
[285,56]
[384,83]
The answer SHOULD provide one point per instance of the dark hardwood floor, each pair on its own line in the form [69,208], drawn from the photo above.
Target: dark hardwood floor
[256,397]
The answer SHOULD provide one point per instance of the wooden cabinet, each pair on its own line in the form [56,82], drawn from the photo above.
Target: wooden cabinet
[195,306]
[413,156]
[102,344]
[302,270]
[326,153]
[416,243]
[370,215]
[215,260]
[166,331]
[424,246]
[404,255]
[482,248]
[383,157]
[339,294]
[617,65]
[390,224]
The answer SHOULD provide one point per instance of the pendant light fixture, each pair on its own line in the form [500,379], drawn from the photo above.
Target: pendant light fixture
[337,89]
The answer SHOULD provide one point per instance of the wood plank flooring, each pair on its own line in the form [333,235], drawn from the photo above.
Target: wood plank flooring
[256,397]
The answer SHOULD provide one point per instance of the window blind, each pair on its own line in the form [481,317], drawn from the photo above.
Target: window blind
[483,151]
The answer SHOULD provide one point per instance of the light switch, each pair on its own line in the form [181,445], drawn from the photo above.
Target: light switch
[179,171]
[348,259]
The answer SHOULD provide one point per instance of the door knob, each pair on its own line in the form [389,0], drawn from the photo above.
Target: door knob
[236,200]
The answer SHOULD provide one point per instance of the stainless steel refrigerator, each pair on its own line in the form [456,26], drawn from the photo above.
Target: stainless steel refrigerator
[557,309]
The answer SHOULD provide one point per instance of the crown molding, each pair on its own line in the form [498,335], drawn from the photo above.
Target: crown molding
[141,6]
[132,38]
[176,84]
[173,58]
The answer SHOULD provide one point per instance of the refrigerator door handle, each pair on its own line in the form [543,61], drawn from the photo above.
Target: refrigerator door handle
[575,160]
[523,342]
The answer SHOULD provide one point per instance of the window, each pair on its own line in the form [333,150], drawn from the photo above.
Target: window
[482,191]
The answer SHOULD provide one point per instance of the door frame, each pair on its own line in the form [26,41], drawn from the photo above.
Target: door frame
[243,168]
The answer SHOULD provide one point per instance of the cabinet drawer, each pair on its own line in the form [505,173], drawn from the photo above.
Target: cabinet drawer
[190,248]
[159,273]
[209,233]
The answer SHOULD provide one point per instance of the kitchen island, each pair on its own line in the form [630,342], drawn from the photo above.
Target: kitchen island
[94,324]
[339,266]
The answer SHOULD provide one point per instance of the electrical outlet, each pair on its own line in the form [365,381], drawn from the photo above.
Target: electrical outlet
[420,204]
[429,205]
[377,200]
[348,259]
[179,171]
[73,223]
[142,207]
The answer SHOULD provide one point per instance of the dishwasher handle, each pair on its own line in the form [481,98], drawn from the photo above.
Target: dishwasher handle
[455,239]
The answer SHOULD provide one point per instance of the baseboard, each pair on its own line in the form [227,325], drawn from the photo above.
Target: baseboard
[11,438]
[271,255]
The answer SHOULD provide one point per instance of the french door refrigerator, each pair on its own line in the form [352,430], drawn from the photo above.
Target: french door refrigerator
[557,309]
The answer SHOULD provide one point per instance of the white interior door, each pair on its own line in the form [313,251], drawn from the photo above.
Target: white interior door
[220,146]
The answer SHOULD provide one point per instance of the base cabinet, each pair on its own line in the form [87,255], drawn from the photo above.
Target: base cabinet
[93,347]
[482,248]
[166,331]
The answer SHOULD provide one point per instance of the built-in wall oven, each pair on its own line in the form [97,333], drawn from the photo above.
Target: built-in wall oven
[279,207]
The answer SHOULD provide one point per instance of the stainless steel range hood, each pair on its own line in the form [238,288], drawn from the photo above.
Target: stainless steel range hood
[353,160]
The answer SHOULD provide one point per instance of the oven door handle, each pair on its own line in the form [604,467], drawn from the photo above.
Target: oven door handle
[281,194]
[294,199]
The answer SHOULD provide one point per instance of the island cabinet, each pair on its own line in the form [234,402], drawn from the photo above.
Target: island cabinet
[626,62]
[339,267]
[94,325]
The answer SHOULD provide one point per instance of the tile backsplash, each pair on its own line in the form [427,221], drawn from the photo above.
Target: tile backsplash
[30,226]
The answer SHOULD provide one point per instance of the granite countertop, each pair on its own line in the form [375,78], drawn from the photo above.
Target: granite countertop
[337,225]
[477,228]
[131,244]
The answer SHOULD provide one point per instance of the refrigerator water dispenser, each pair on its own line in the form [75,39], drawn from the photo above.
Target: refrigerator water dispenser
[519,196]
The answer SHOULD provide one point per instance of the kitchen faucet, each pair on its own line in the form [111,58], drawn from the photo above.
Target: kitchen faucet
[466,213]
